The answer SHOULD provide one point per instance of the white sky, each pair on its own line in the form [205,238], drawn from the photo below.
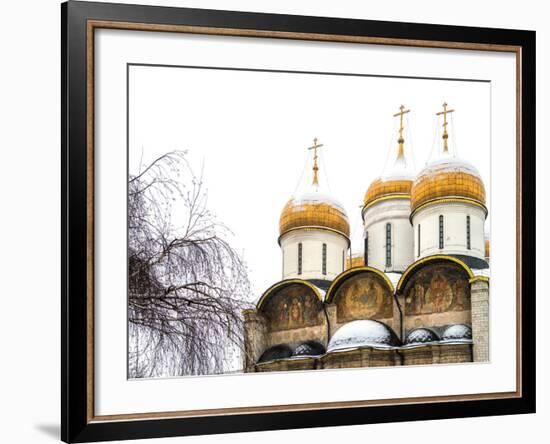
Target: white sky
[251,131]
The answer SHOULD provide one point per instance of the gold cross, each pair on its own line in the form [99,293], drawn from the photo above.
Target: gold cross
[315,166]
[401,140]
[445,133]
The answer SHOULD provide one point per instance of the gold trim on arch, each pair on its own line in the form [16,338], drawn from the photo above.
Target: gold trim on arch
[284,283]
[435,257]
[336,282]
[479,279]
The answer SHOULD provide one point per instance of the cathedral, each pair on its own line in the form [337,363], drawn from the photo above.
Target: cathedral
[419,293]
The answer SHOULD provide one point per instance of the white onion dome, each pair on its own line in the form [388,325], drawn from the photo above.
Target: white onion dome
[363,333]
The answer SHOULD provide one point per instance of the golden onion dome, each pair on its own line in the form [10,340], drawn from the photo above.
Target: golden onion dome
[387,187]
[447,178]
[314,209]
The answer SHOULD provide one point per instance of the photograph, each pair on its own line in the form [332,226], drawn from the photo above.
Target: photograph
[282,220]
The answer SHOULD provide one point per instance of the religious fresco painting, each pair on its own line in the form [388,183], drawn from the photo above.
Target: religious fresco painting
[295,306]
[364,296]
[437,289]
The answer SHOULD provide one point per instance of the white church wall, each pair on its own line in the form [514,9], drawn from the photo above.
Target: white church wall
[396,212]
[454,231]
[312,241]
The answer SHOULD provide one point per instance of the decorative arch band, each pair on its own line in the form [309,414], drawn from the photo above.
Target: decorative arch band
[435,258]
[286,283]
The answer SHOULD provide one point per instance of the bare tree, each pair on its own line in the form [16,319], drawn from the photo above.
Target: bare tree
[187,284]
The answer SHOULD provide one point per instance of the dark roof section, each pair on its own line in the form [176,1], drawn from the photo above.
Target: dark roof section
[280,351]
[309,348]
[472,262]
[323,284]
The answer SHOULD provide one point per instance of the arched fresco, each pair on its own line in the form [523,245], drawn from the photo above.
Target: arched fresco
[292,306]
[438,288]
[364,295]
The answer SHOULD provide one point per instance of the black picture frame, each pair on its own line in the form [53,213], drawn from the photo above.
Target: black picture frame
[76,423]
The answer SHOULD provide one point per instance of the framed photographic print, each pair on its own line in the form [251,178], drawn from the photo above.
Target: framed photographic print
[275,221]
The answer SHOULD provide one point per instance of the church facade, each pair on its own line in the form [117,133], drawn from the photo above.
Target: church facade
[419,292]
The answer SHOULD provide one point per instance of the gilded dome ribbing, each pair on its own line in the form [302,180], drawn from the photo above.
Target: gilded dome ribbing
[447,177]
[314,209]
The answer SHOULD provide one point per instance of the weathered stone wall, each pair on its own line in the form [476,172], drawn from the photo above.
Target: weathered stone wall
[437,354]
[364,357]
[480,319]
[297,336]
[453,353]
[284,365]
[254,337]
[437,319]
[370,357]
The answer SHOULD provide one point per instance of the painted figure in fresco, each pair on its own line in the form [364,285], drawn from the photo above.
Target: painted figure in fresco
[427,304]
[437,290]
[355,295]
[462,301]
[292,307]
[362,297]
[375,295]
[296,313]
[440,293]
[418,299]
[283,315]
[310,312]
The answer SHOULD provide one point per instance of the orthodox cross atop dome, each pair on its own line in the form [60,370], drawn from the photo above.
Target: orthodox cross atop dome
[314,147]
[445,133]
[401,140]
